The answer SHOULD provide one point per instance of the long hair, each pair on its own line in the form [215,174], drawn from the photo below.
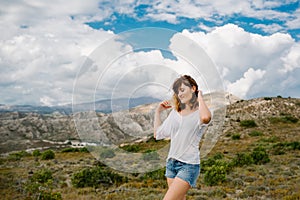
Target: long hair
[190,82]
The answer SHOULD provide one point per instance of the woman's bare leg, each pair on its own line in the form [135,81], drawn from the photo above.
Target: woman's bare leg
[177,189]
[170,181]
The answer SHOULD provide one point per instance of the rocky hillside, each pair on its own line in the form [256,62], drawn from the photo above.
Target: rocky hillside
[25,130]
[21,131]
[255,154]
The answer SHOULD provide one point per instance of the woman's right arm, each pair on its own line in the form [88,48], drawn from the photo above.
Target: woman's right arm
[157,120]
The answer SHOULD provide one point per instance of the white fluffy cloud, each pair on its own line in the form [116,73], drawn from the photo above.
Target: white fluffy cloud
[43,44]
[244,84]
[43,60]
[236,51]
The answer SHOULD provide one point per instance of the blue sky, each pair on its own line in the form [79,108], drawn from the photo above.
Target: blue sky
[255,45]
[123,22]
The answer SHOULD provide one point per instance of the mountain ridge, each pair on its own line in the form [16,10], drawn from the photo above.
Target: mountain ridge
[20,130]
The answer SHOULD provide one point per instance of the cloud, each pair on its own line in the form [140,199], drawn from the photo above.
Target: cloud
[292,59]
[41,59]
[244,84]
[34,12]
[236,51]
[269,28]
[43,45]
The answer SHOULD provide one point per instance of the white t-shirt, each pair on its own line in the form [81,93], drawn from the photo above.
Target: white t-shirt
[185,133]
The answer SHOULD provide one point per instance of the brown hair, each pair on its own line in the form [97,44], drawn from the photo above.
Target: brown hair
[190,82]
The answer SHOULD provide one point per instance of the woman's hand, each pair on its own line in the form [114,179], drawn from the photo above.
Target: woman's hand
[199,95]
[164,106]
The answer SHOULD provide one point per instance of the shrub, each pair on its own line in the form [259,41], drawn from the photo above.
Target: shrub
[71,149]
[248,123]
[131,148]
[48,155]
[270,139]
[242,159]
[40,185]
[281,146]
[236,136]
[255,133]
[50,196]
[278,149]
[260,156]
[42,176]
[95,176]
[154,175]
[36,153]
[205,164]
[218,156]
[18,155]
[290,119]
[216,174]
[294,145]
[267,98]
[283,119]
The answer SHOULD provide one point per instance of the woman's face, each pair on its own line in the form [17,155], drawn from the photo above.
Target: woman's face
[185,93]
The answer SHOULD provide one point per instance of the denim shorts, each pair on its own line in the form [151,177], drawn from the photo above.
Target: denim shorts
[184,171]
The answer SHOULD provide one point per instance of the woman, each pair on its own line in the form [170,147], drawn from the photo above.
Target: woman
[184,125]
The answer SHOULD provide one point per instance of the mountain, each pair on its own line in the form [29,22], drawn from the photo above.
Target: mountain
[104,106]
[25,128]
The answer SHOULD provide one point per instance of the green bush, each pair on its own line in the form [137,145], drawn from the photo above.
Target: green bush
[50,196]
[284,119]
[248,123]
[40,185]
[236,136]
[154,175]
[218,156]
[71,149]
[290,119]
[267,98]
[260,156]
[18,155]
[132,148]
[95,176]
[279,148]
[205,164]
[36,153]
[216,174]
[294,145]
[48,155]
[255,133]
[242,159]
[42,176]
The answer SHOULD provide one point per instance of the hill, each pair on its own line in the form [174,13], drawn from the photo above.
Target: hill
[256,156]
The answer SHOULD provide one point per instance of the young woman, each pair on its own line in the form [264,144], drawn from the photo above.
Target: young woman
[184,125]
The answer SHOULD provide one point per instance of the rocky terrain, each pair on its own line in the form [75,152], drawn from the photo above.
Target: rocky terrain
[22,130]
[251,152]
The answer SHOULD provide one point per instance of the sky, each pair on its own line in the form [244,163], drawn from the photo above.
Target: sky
[51,51]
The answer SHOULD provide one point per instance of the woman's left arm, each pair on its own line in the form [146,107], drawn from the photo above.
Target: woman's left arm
[205,114]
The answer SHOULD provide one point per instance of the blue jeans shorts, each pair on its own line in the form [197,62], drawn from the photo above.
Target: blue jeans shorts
[184,171]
